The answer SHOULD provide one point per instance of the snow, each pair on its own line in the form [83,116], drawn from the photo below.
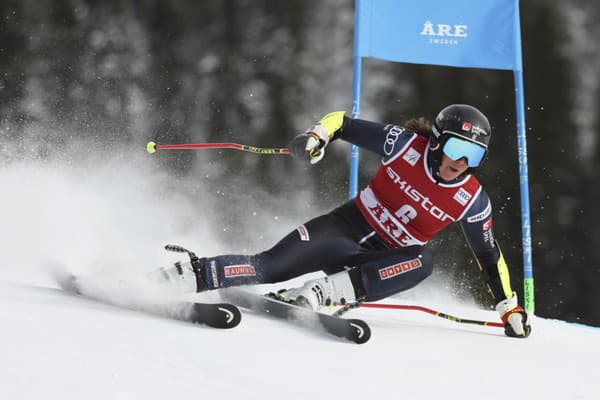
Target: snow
[54,345]
[60,346]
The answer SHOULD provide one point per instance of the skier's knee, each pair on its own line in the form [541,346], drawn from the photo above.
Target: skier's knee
[397,275]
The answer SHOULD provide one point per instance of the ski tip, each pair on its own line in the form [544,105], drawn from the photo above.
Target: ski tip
[231,315]
[361,331]
[223,316]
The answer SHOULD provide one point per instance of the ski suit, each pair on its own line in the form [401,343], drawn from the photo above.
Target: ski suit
[380,237]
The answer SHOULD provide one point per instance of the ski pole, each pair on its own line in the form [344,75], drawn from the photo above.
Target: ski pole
[347,307]
[151,147]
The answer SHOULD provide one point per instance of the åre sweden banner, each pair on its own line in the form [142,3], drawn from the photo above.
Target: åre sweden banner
[455,33]
[459,33]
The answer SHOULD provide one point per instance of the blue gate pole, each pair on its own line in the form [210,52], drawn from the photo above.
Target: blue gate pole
[524,188]
[528,286]
[357,66]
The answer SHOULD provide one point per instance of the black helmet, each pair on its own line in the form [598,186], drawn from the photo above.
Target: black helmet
[466,124]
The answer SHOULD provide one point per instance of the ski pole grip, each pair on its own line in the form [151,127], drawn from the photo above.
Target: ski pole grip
[151,147]
[179,249]
[175,248]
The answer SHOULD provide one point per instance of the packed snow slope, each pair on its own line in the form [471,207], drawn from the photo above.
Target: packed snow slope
[108,223]
[59,346]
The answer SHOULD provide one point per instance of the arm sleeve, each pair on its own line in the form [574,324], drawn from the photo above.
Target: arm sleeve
[382,139]
[478,228]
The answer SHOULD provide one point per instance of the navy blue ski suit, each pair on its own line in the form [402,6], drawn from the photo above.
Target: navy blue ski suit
[346,239]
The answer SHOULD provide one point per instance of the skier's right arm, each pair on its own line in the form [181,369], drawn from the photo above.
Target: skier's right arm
[385,140]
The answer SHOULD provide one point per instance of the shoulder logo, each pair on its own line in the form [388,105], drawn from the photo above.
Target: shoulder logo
[411,156]
[391,138]
[462,197]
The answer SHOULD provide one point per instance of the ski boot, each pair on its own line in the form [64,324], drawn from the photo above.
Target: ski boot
[183,277]
[323,292]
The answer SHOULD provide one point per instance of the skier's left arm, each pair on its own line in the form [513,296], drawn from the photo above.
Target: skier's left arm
[477,226]
[383,139]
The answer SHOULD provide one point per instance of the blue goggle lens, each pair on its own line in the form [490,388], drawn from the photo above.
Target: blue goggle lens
[456,149]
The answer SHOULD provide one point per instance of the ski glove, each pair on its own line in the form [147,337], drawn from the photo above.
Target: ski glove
[514,317]
[308,146]
[311,144]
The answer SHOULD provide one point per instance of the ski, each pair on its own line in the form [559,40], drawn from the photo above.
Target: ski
[216,315]
[355,330]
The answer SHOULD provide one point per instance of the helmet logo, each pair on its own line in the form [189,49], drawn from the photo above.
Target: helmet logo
[479,131]
[474,129]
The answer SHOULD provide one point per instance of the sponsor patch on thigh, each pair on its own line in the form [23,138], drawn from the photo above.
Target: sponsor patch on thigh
[232,271]
[400,268]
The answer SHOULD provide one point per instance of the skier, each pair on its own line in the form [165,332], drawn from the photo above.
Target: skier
[374,246]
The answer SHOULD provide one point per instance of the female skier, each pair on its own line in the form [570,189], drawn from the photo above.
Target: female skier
[375,245]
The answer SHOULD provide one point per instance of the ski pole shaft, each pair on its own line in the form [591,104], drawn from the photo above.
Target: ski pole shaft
[151,147]
[429,311]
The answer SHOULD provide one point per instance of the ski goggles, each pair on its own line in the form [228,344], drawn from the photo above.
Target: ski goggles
[456,149]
